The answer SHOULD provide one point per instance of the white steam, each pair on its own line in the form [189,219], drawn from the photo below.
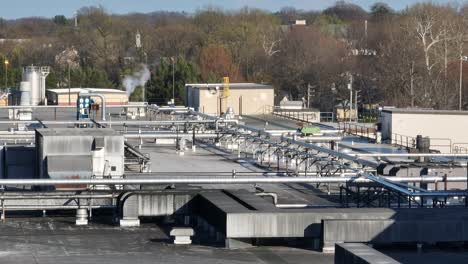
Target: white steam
[138,78]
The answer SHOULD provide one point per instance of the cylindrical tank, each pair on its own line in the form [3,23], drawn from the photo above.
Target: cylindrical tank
[423,144]
[31,75]
[36,77]
[25,88]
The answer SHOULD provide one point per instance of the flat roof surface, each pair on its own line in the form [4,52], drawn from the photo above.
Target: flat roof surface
[77,132]
[86,90]
[57,240]
[423,111]
[231,85]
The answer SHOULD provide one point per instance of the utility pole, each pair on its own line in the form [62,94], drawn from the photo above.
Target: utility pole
[173,80]
[356,104]
[350,88]
[6,73]
[69,84]
[144,86]
[462,58]
[411,84]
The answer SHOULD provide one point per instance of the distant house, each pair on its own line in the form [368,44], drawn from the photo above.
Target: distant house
[342,112]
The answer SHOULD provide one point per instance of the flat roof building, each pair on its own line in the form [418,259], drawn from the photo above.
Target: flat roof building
[244,98]
[446,129]
[65,96]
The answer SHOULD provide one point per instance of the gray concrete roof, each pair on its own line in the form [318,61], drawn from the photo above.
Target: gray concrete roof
[55,240]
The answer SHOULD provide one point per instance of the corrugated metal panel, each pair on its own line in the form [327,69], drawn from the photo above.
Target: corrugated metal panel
[70,166]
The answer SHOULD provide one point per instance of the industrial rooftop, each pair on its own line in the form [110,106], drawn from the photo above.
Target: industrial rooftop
[97,182]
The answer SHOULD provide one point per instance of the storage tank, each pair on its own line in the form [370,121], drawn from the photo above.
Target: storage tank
[25,89]
[36,76]
[25,100]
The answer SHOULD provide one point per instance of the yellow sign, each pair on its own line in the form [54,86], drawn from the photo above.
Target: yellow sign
[225,86]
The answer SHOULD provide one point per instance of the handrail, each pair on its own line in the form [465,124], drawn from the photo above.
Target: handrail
[359,130]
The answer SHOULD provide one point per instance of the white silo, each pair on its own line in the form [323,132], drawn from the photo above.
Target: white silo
[25,89]
[36,76]
[25,113]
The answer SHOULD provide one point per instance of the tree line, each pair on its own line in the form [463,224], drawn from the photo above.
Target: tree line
[413,57]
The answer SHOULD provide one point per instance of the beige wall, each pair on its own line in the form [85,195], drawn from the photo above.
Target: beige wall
[445,130]
[343,115]
[253,101]
[111,98]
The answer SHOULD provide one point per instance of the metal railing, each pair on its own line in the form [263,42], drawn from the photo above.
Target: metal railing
[327,117]
[460,148]
[401,140]
[357,130]
[301,115]
[442,143]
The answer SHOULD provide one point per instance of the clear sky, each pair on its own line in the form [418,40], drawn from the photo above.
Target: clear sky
[11,9]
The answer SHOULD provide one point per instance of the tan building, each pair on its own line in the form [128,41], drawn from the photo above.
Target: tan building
[343,113]
[446,129]
[65,96]
[244,98]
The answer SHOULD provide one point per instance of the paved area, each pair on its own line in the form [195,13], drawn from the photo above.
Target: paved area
[57,240]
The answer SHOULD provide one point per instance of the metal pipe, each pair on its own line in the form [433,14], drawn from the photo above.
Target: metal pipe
[55,106]
[103,103]
[333,153]
[25,197]
[53,207]
[186,136]
[217,180]
[122,122]
[410,154]
[291,206]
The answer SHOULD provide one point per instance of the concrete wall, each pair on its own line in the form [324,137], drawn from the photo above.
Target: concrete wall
[358,253]
[393,231]
[445,128]
[251,101]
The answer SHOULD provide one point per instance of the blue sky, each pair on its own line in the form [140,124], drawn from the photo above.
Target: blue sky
[48,8]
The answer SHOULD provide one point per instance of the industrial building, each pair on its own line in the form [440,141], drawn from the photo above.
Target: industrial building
[65,96]
[243,98]
[178,184]
[446,129]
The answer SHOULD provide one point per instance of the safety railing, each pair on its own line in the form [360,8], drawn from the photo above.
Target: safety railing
[460,148]
[401,140]
[301,115]
[357,130]
[327,117]
[442,144]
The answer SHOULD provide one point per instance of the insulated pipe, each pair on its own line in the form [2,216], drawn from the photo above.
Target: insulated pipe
[217,180]
[348,157]
[170,136]
[333,153]
[231,180]
[122,122]
[56,106]
[103,103]
[53,207]
[411,154]
[25,197]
